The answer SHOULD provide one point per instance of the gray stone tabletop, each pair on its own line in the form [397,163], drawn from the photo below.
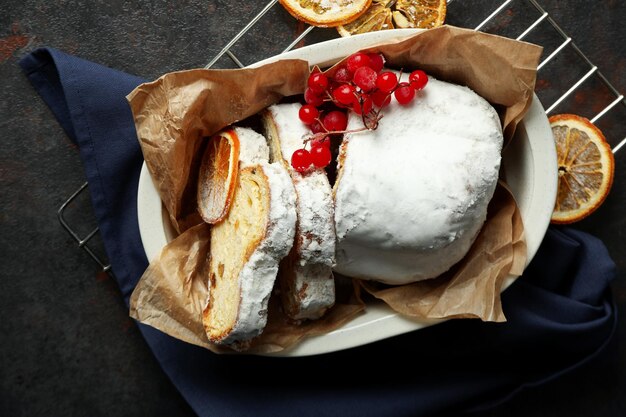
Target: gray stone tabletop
[67,345]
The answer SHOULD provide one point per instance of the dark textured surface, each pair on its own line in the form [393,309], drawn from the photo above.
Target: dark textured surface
[67,346]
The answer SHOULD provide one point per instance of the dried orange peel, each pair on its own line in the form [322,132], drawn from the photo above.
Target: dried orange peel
[585,168]
[390,14]
[326,13]
[218,176]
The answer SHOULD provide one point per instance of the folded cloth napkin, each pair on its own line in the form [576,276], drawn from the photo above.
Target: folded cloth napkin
[560,313]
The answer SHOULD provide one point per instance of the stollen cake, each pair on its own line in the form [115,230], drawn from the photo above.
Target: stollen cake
[412,195]
[306,280]
[253,148]
[248,245]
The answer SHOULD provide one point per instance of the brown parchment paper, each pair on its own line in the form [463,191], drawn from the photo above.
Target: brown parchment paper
[175,113]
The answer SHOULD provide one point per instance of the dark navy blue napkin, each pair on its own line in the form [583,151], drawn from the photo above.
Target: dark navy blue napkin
[560,313]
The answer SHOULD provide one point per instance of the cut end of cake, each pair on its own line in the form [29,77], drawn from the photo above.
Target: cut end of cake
[412,195]
[246,249]
[306,280]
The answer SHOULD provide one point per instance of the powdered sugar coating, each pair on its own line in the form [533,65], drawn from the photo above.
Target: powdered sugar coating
[309,275]
[253,147]
[291,131]
[258,275]
[413,194]
[316,232]
[314,291]
[313,284]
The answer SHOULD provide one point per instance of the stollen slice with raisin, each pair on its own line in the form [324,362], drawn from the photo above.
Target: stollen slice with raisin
[245,252]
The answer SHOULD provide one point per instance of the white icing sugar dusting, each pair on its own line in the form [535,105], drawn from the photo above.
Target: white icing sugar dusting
[315,246]
[253,147]
[291,131]
[258,275]
[413,193]
[316,231]
[315,236]
[315,290]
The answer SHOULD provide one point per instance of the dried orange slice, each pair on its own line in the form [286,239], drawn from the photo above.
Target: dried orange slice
[326,13]
[218,176]
[390,14]
[586,165]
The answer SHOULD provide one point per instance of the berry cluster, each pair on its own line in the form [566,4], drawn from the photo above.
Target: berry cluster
[361,86]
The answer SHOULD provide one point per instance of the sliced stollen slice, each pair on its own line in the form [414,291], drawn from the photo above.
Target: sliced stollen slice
[306,280]
[253,148]
[246,249]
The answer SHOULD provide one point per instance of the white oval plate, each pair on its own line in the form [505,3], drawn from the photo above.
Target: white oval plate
[529,166]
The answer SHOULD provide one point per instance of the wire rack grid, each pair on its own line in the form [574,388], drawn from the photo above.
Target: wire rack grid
[588,92]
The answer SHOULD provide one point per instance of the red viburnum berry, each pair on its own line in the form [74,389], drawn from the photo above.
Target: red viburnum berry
[320,141]
[404,93]
[318,82]
[418,79]
[363,104]
[308,113]
[356,61]
[312,98]
[386,81]
[335,121]
[301,160]
[344,94]
[381,98]
[317,127]
[377,61]
[320,156]
[342,75]
[365,78]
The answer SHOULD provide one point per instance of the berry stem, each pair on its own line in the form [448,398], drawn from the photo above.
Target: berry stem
[321,135]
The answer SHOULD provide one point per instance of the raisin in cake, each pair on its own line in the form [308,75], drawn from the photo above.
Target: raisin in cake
[412,195]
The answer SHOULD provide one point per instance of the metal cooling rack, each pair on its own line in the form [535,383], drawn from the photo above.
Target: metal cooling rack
[542,23]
